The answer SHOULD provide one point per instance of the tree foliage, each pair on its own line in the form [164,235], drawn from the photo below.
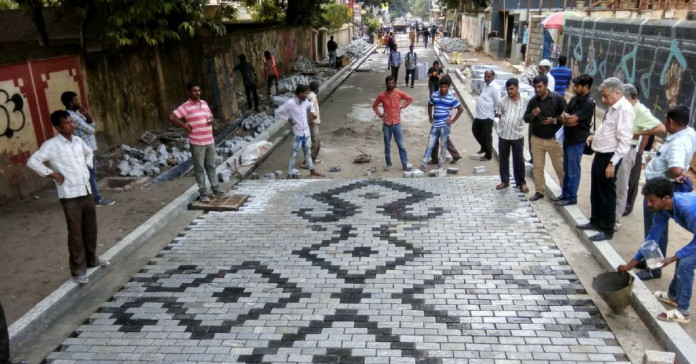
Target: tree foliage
[336,15]
[421,9]
[305,12]
[400,7]
[267,11]
[131,22]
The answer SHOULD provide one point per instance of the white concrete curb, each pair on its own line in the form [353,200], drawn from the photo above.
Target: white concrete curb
[672,337]
[62,298]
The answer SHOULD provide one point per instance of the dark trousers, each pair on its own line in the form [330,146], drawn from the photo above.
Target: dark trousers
[4,339]
[603,194]
[433,87]
[395,72]
[633,187]
[435,156]
[483,132]
[411,73]
[529,143]
[269,82]
[81,217]
[517,147]
[251,89]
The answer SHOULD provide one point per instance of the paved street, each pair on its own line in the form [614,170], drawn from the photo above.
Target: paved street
[430,270]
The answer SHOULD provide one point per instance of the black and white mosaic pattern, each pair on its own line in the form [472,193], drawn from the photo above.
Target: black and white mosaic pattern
[436,270]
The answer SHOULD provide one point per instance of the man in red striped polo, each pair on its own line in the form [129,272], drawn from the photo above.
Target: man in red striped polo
[195,116]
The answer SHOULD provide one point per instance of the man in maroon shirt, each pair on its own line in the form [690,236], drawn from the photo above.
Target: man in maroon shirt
[391,104]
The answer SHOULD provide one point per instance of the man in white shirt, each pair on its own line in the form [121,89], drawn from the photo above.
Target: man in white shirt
[482,127]
[70,159]
[511,135]
[314,124]
[611,142]
[544,68]
[297,111]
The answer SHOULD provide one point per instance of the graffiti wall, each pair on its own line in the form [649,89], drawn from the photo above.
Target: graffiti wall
[657,56]
[29,92]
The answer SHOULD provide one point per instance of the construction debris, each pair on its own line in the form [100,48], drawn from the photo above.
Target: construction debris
[335,169]
[480,169]
[141,161]
[258,122]
[357,48]
[452,170]
[453,44]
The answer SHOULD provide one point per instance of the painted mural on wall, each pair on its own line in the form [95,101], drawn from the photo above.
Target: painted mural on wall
[29,92]
[658,57]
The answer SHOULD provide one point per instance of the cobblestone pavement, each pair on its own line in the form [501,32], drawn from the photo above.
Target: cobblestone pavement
[429,270]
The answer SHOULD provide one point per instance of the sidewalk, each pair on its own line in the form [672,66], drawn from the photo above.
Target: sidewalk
[629,237]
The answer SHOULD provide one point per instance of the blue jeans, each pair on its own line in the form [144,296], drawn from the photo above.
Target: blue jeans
[572,156]
[332,58]
[680,288]
[304,141]
[437,132]
[648,215]
[93,181]
[388,130]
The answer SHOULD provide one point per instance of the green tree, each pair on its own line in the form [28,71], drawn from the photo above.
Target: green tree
[421,9]
[335,15]
[305,12]
[267,11]
[400,7]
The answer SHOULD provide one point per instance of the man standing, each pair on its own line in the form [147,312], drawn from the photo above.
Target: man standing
[314,124]
[439,112]
[391,117]
[198,122]
[394,62]
[611,143]
[434,74]
[511,135]
[411,64]
[665,204]
[651,127]
[426,34]
[671,162]
[84,128]
[332,47]
[270,71]
[297,111]
[562,76]
[644,125]
[70,159]
[544,116]
[525,40]
[482,128]
[544,68]
[412,36]
[249,78]
[576,121]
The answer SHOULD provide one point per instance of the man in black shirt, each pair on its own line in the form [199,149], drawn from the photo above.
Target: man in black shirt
[576,121]
[249,78]
[434,76]
[544,114]
[332,47]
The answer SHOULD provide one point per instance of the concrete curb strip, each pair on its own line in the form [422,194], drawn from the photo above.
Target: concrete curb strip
[62,298]
[671,335]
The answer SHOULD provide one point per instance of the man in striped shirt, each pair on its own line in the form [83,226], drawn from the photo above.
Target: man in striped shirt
[198,122]
[562,75]
[439,111]
[511,135]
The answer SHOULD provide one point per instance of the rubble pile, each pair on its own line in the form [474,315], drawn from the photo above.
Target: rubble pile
[357,47]
[142,161]
[302,64]
[234,145]
[453,44]
[258,123]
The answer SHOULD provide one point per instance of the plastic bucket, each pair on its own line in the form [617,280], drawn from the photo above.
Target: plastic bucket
[615,289]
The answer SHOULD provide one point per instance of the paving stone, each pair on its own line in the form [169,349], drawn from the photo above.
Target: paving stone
[417,270]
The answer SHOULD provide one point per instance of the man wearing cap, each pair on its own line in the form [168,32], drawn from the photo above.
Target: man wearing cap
[545,69]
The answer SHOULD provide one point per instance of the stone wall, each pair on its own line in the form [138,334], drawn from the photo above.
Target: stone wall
[657,56]
[536,40]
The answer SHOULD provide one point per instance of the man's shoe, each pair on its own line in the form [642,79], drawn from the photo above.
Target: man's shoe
[103,263]
[502,186]
[649,274]
[642,265]
[626,213]
[587,226]
[204,199]
[566,203]
[434,161]
[105,202]
[536,196]
[602,236]
[559,198]
[81,279]
[219,193]
[455,160]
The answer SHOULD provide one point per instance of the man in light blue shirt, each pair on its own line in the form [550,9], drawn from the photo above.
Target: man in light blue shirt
[394,62]
[665,204]
[671,161]
[525,40]
[439,111]
[482,127]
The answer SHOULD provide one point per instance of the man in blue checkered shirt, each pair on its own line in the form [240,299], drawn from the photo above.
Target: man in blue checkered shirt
[439,111]
[84,128]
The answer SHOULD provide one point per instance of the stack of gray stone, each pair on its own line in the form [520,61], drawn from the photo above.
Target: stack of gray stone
[357,48]
[141,161]
[230,147]
[453,44]
[258,122]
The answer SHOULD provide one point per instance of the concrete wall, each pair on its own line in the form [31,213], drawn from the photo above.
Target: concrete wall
[536,40]
[128,91]
[472,29]
[28,93]
[343,36]
[657,56]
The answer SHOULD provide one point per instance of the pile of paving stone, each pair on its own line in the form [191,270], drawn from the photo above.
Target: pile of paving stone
[357,47]
[453,44]
[302,64]
[147,161]
[258,122]
[234,145]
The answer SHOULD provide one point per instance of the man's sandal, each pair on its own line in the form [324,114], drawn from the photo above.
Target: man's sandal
[673,316]
[664,298]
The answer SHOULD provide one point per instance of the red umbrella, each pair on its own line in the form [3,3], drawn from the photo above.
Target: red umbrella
[557,20]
